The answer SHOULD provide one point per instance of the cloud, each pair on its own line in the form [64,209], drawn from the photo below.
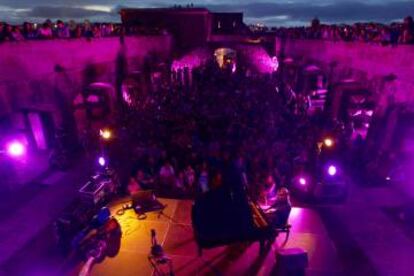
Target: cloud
[64,12]
[283,12]
[328,12]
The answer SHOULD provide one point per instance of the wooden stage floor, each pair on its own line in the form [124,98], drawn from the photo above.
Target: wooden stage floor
[174,232]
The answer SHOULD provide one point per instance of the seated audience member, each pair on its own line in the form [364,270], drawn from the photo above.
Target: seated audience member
[190,177]
[144,181]
[179,182]
[279,211]
[167,175]
[203,179]
[133,186]
[217,181]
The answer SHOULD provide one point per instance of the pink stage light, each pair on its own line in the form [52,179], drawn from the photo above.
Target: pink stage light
[302,181]
[331,170]
[16,149]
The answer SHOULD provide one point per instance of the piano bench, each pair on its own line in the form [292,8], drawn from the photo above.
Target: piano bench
[285,229]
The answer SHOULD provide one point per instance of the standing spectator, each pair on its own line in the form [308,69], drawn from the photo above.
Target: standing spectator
[87,29]
[45,31]
[78,32]
[407,35]
[105,31]
[73,27]
[61,31]
[2,27]
[385,36]
[28,31]
[96,31]
[6,32]
[16,34]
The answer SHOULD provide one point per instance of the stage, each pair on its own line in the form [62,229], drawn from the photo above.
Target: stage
[174,232]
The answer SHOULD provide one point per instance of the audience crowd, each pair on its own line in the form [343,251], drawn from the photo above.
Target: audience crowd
[184,139]
[392,34]
[395,33]
[50,30]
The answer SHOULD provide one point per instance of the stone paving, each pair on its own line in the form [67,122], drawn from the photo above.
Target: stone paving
[384,247]
[30,213]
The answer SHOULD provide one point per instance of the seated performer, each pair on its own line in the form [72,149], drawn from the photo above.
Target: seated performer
[278,212]
[268,192]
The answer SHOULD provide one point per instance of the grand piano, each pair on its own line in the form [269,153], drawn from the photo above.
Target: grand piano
[227,215]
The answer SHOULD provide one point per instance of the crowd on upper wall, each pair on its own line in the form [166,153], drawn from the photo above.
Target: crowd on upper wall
[62,30]
[50,30]
[392,34]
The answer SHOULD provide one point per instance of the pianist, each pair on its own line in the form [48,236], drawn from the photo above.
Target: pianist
[278,212]
[268,193]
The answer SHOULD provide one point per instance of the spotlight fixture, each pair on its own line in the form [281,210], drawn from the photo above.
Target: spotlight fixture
[15,149]
[332,170]
[302,181]
[106,134]
[328,142]
[102,161]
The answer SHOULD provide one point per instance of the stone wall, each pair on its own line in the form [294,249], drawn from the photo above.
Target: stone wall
[368,63]
[33,73]
[372,66]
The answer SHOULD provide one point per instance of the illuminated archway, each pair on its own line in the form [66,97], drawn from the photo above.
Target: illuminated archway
[226,58]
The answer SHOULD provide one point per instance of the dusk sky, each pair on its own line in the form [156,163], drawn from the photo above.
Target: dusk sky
[272,13]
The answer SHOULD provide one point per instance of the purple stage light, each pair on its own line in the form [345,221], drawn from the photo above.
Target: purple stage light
[302,181]
[15,149]
[102,161]
[331,170]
